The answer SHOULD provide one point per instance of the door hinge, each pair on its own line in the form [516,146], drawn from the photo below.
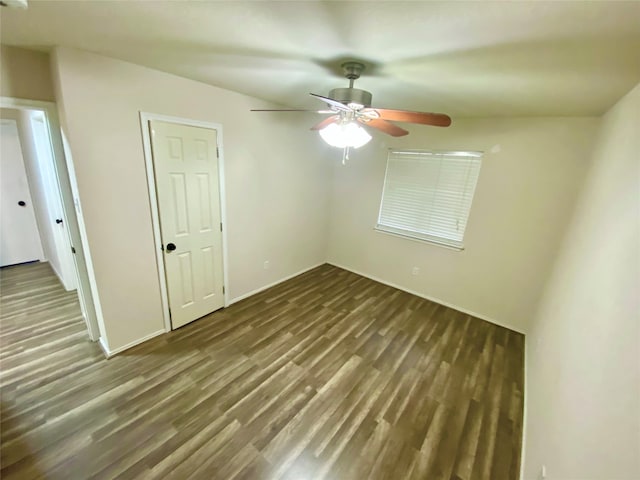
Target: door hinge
[217,151]
[223,289]
[220,226]
[73,249]
[169,314]
[162,247]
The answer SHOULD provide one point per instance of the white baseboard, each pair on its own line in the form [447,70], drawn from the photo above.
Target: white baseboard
[55,270]
[428,297]
[273,284]
[110,353]
[103,345]
[44,260]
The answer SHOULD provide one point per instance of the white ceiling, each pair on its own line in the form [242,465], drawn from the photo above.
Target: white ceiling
[466,58]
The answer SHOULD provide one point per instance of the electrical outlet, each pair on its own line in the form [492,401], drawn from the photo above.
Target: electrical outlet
[415,271]
[266,265]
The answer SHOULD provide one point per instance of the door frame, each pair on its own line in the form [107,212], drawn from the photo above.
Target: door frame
[145,118]
[65,176]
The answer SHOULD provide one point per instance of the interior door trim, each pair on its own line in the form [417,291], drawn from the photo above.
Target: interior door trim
[145,118]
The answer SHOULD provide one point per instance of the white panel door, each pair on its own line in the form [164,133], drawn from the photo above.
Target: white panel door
[19,236]
[186,172]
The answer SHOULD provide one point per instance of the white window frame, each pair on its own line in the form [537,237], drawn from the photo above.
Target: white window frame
[425,235]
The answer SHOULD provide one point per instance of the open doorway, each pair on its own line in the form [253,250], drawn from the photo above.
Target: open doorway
[49,216]
[32,225]
[20,238]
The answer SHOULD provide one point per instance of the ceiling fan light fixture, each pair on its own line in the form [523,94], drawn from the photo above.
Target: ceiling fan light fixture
[342,135]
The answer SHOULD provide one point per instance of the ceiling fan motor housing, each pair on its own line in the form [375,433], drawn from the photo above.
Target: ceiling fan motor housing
[351,95]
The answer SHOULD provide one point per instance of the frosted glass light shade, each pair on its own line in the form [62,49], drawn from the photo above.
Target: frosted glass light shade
[345,135]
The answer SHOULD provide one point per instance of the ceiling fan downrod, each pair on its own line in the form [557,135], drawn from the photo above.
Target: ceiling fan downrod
[350,95]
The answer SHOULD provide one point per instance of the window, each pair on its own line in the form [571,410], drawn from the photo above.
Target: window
[427,195]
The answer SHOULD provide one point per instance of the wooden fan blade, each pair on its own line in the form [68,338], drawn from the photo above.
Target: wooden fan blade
[424,118]
[291,110]
[384,126]
[327,121]
[332,102]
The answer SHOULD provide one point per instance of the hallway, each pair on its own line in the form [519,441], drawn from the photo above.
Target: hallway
[38,317]
[43,341]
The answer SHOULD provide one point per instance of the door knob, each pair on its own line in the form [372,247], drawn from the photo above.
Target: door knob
[21,203]
[58,221]
[171,247]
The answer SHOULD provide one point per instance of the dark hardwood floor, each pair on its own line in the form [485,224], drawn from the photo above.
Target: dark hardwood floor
[326,376]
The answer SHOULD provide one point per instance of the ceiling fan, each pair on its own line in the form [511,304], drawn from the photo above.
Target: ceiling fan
[349,108]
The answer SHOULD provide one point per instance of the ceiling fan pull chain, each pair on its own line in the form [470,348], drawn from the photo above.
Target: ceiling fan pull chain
[345,155]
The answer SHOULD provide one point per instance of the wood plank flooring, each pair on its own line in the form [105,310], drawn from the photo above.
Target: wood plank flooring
[326,376]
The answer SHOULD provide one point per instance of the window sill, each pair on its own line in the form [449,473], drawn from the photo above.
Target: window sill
[421,240]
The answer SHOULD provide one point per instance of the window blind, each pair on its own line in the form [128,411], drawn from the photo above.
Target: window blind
[427,195]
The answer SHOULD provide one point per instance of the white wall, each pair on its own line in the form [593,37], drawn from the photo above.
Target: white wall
[530,176]
[583,347]
[275,183]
